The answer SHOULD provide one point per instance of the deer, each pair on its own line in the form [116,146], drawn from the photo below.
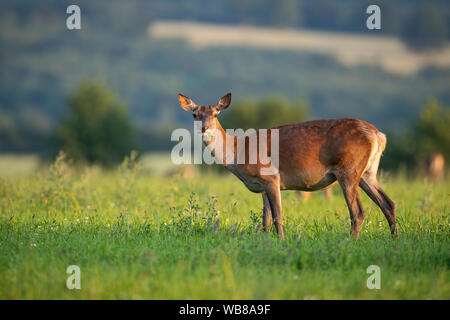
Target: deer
[306,195]
[313,156]
[435,166]
[185,172]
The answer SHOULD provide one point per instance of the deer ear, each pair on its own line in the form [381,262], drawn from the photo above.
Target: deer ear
[186,103]
[224,102]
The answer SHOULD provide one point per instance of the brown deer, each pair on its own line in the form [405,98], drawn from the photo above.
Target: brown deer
[185,172]
[435,166]
[313,156]
[305,195]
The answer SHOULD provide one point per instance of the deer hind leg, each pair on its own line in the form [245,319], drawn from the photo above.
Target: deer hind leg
[304,195]
[370,185]
[274,196]
[351,194]
[267,213]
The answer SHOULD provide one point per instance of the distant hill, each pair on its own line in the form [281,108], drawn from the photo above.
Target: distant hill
[41,62]
[350,49]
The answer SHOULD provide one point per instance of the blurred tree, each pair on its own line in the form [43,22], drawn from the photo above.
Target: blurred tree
[266,113]
[10,139]
[97,128]
[428,133]
[399,153]
[427,28]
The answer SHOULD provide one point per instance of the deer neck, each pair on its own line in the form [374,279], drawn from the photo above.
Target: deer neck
[221,140]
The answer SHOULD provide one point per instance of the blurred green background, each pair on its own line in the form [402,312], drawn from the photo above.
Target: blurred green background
[150,229]
[112,86]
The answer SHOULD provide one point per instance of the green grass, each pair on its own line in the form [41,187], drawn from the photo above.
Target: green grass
[144,237]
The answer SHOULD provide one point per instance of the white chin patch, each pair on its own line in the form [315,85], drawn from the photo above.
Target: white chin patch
[208,134]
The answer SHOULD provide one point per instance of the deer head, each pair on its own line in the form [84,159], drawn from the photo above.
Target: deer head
[206,114]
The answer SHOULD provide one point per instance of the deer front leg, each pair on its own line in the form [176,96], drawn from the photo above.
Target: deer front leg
[267,213]
[274,196]
[354,205]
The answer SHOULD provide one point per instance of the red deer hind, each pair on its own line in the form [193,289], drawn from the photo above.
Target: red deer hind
[435,166]
[313,156]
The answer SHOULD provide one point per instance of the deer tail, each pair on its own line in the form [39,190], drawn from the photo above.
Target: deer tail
[381,141]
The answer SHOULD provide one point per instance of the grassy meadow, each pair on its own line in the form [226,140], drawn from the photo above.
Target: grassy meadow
[137,235]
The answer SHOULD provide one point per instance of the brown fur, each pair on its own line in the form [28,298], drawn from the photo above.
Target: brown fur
[186,172]
[305,195]
[313,156]
[435,166]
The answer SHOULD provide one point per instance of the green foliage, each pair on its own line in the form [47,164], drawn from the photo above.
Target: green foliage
[426,134]
[194,219]
[398,154]
[97,127]
[265,113]
[430,132]
[166,242]
[42,64]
